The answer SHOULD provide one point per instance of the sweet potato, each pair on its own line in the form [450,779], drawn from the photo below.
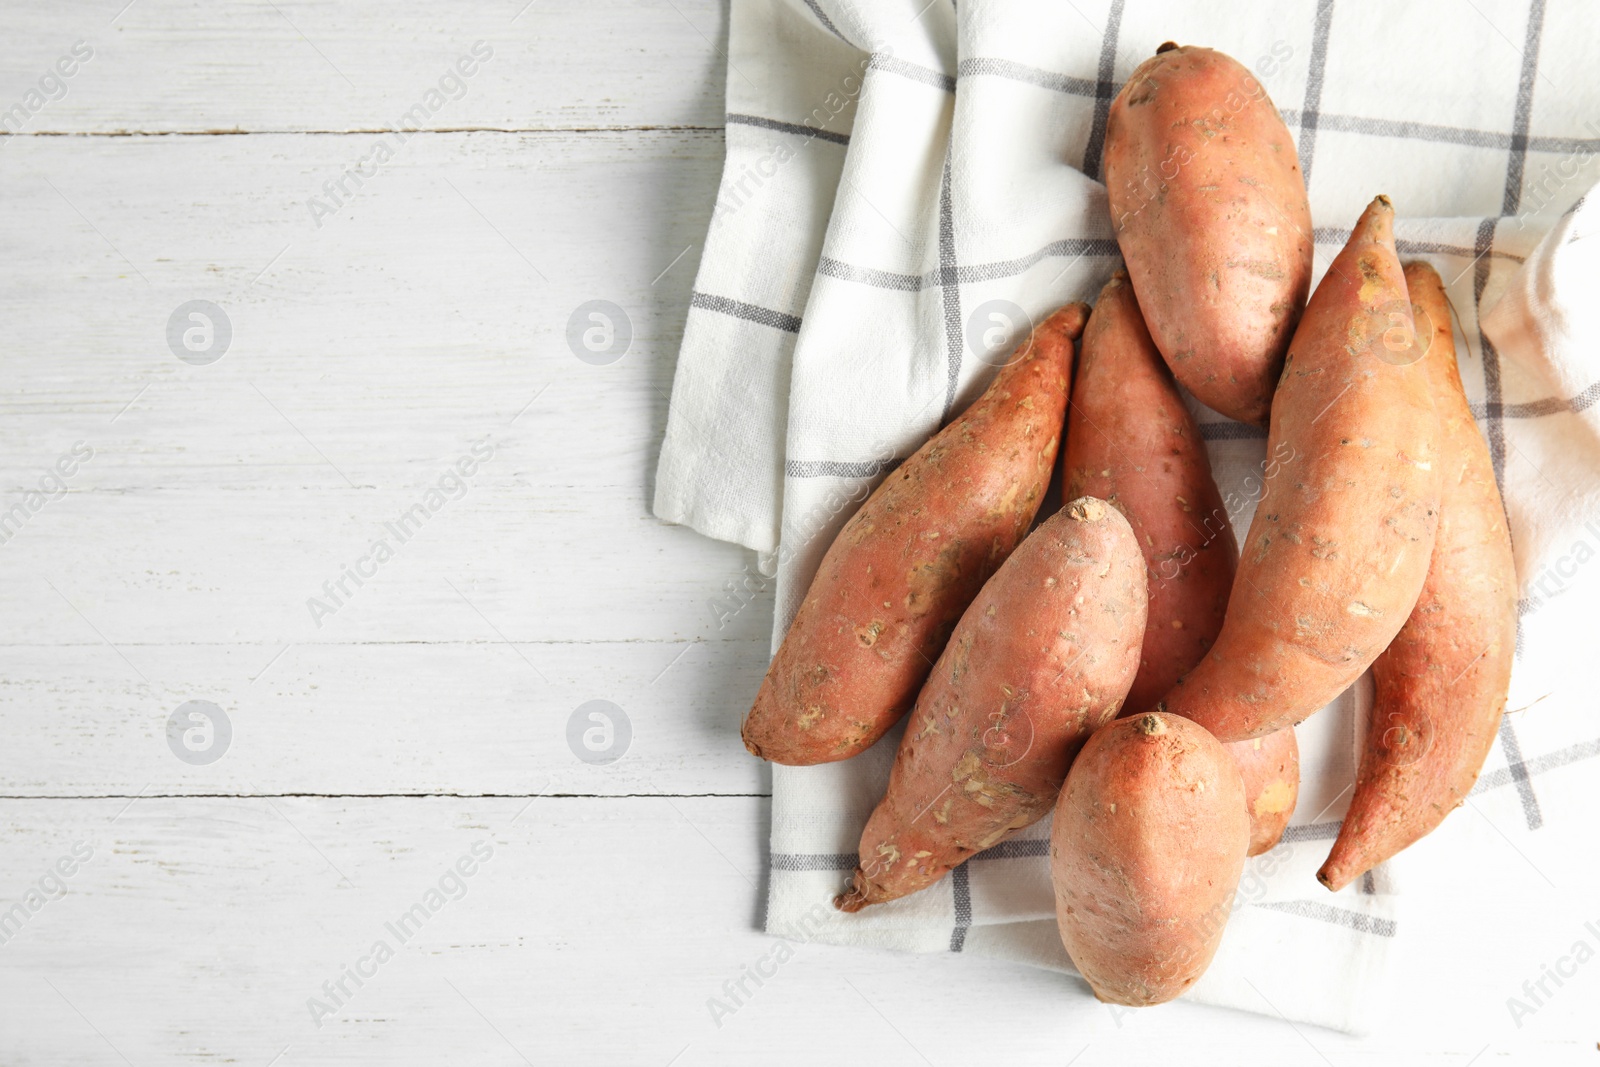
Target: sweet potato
[1146,850]
[1210,210]
[1132,442]
[1339,547]
[1041,659]
[1270,768]
[1441,686]
[905,566]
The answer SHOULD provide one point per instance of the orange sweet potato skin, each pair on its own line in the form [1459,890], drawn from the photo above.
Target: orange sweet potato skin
[1146,849]
[1040,660]
[1210,210]
[1132,442]
[1270,768]
[1441,685]
[905,566]
[1336,555]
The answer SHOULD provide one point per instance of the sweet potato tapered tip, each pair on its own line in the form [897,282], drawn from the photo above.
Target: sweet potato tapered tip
[1337,552]
[851,900]
[1065,322]
[899,574]
[1440,687]
[1043,656]
[1270,767]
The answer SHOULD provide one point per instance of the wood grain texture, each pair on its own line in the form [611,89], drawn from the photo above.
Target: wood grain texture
[364,363]
[198,928]
[176,66]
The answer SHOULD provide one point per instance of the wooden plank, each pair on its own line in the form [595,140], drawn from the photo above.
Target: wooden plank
[221,507]
[469,718]
[366,364]
[598,931]
[369,351]
[169,66]
[529,564]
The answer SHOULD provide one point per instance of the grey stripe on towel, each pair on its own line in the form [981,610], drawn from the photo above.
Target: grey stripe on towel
[796,128]
[1355,920]
[724,305]
[828,468]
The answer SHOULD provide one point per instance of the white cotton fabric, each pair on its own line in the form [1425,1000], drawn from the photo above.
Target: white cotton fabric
[902,180]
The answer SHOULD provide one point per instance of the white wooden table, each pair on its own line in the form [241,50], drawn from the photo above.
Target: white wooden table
[170,905]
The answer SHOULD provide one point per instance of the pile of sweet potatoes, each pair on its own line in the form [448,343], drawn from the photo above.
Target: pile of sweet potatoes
[1379,541]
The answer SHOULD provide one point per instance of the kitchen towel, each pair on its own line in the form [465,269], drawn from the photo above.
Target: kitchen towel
[909,184]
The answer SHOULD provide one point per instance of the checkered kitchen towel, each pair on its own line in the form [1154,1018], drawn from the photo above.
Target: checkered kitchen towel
[906,182]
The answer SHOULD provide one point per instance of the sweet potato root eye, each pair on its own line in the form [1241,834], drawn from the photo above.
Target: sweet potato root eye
[1151,725]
